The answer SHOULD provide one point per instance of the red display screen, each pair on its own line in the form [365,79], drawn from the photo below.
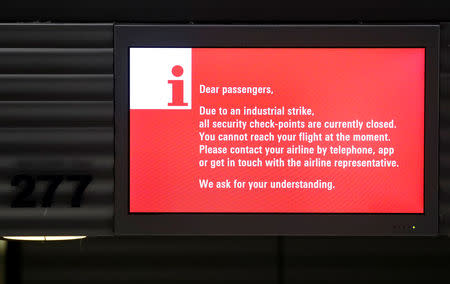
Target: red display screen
[276,130]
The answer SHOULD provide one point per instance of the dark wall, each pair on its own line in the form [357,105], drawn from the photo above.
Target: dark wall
[220,11]
[202,259]
[232,260]
[444,116]
[56,119]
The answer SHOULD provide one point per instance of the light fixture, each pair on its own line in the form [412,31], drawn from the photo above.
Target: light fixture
[43,238]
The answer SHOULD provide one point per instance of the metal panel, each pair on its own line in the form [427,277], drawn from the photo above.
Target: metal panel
[229,11]
[56,118]
[365,260]
[444,129]
[151,260]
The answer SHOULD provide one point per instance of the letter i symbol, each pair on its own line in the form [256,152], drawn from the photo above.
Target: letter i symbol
[177,87]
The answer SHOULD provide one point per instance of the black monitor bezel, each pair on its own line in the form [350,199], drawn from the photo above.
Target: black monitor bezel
[298,36]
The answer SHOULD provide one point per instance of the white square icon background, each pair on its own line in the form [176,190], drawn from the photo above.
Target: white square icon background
[150,71]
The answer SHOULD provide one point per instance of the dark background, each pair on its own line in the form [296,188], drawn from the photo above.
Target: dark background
[81,108]
[225,11]
[231,260]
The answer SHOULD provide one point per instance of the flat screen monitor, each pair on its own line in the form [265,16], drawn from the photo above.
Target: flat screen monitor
[303,130]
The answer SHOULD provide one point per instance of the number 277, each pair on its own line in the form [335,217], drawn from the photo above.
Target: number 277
[26,184]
